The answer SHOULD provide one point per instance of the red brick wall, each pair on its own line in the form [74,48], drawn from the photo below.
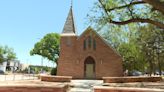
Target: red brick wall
[56,78]
[31,89]
[125,89]
[67,60]
[71,61]
[131,79]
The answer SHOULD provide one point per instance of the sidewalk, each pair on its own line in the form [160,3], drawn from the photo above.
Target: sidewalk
[13,77]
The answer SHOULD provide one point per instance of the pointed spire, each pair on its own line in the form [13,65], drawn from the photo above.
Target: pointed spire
[69,26]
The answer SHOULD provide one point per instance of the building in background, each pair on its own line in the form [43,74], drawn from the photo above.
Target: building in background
[13,65]
[3,67]
[24,67]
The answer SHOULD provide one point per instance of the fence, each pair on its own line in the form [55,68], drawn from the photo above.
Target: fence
[16,77]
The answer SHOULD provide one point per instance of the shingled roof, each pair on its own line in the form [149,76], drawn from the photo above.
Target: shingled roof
[69,27]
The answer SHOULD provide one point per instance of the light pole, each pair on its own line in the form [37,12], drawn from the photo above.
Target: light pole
[41,64]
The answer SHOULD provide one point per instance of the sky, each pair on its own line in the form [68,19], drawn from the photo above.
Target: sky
[25,22]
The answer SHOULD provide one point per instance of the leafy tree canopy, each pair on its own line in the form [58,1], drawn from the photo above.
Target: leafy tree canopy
[121,12]
[6,54]
[47,47]
[135,29]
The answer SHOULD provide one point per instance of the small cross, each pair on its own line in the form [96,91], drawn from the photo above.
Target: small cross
[71,3]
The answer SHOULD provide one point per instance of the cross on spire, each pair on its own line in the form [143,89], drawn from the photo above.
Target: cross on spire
[69,26]
[71,3]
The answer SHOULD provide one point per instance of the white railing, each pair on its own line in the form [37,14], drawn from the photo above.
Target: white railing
[17,77]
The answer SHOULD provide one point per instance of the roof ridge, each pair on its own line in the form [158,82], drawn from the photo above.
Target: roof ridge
[103,40]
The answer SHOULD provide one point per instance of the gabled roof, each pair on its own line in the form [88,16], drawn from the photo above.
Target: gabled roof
[69,27]
[103,40]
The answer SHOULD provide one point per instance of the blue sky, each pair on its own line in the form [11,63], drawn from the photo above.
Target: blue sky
[24,22]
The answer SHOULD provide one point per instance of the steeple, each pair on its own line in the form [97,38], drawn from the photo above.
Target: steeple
[69,27]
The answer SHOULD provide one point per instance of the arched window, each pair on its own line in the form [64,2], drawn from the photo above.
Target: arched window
[68,41]
[85,45]
[94,44]
[89,41]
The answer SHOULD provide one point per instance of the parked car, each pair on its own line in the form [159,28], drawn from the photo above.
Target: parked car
[157,73]
[2,72]
[135,73]
[32,72]
[162,72]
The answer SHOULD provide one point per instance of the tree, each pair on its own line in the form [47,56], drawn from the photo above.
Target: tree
[157,4]
[6,54]
[151,40]
[119,22]
[124,40]
[133,58]
[121,12]
[1,55]
[47,47]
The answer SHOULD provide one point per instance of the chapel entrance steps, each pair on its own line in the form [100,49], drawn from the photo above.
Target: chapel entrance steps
[84,85]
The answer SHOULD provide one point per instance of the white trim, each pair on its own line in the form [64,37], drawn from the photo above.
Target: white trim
[68,34]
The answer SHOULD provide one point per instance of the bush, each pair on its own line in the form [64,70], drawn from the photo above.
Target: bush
[53,71]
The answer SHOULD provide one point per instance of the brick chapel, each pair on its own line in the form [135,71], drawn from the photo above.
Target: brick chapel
[86,56]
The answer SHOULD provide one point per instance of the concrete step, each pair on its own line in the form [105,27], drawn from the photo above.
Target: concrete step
[80,90]
[83,85]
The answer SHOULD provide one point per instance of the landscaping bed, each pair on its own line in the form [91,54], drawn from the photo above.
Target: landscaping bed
[131,79]
[125,89]
[131,84]
[56,78]
[32,86]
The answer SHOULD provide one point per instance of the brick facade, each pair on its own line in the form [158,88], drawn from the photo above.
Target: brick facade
[108,63]
[32,89]
[86,56]
[125,89]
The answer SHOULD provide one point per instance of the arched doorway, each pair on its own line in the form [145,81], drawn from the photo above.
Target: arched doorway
[89,68]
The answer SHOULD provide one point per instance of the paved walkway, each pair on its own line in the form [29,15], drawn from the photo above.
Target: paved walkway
[87,85]
[17,77]
[84,85]
[31,83]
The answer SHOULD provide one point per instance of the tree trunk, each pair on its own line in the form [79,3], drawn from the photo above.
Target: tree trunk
[157,4]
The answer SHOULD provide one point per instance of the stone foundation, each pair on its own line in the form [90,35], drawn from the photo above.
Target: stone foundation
[32,89]
[56,78]
[32,86]
[130,79]
[125,89]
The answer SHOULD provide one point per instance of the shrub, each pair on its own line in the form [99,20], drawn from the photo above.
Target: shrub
[53,71]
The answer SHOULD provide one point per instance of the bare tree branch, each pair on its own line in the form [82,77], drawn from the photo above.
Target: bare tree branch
[133,20]
[103,6]
[130,10]
[138,20]
[157,4]
[124,6]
